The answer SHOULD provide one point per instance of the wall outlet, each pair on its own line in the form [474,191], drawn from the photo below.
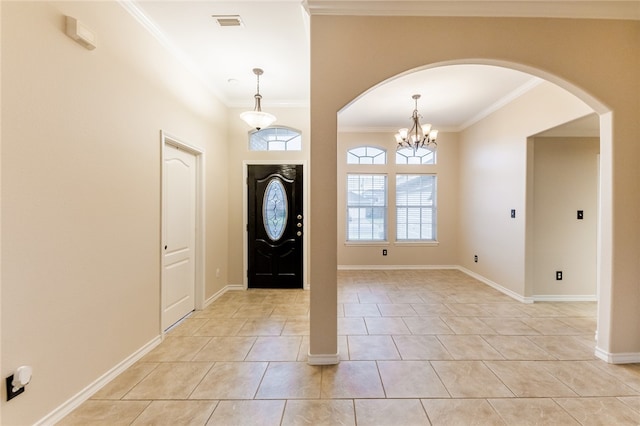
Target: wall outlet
[475,258]
[10,392]
[513,213]
[384,252]
[559,275]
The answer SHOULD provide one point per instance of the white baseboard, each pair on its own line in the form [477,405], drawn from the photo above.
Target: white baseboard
[75,401]
[230,287]
[392,267]
[565,298]
[510,293]
[532,299]
[620,358]
[323,359]
[497,286]
[86,393]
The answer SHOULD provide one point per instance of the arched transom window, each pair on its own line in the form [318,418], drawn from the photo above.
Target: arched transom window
[275,139]
[366,155]
[416,156]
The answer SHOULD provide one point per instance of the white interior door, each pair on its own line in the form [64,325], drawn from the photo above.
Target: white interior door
[179,223]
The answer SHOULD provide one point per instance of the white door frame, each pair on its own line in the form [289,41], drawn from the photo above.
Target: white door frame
[199,255]
[245,216]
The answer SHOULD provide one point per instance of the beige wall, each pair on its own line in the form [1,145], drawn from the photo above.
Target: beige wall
[565,178]
[493,178]
[239,154]
[354,255]
[81,164]
[81,170]
[369,50]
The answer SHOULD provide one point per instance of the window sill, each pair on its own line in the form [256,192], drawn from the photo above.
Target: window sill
[417,243]
[396,243]
[367,243]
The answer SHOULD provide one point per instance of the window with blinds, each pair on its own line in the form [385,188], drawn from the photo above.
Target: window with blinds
[415,207]
[366,207]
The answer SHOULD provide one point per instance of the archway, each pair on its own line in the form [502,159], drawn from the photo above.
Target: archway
[503,243]
[519,44]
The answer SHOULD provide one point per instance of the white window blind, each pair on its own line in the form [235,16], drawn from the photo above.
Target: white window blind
[366,207]
[415,207]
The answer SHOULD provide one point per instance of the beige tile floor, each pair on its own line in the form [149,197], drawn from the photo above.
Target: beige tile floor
[417,348]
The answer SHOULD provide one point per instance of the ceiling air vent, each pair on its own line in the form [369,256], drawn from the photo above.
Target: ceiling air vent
[228,20]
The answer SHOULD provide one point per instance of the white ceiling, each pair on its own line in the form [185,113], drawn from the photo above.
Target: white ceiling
[275,37]
[452,97]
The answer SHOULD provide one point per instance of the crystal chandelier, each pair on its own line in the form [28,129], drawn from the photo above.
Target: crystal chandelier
[418,136]
[257,118]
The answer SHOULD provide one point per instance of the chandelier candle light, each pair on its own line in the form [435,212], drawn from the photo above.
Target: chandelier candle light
[418,135]
[257,118]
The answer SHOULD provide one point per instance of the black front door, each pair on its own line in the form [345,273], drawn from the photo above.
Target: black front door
[275,226]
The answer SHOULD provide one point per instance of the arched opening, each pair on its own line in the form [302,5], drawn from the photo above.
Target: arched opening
[370,49]
[520,282]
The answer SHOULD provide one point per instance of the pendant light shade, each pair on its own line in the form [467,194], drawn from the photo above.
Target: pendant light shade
[257,118]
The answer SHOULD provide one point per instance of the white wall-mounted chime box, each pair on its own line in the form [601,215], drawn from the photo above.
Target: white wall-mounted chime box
[80,33]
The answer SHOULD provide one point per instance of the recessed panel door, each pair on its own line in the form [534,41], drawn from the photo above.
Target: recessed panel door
[275,226]
[179,220]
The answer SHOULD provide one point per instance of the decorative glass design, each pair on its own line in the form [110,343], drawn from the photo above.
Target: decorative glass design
[366,155]
[416,156]
[274,209]
[275,139]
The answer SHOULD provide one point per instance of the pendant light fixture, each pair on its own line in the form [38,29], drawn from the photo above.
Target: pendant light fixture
[257,118]
[418,135]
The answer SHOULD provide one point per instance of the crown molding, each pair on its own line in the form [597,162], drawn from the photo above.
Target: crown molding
[148,24]
[502,102]
[581,9]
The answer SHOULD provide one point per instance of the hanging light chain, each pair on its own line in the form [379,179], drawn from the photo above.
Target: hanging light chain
[258,72]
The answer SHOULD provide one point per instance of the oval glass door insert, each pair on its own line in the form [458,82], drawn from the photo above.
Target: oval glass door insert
[274,209]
